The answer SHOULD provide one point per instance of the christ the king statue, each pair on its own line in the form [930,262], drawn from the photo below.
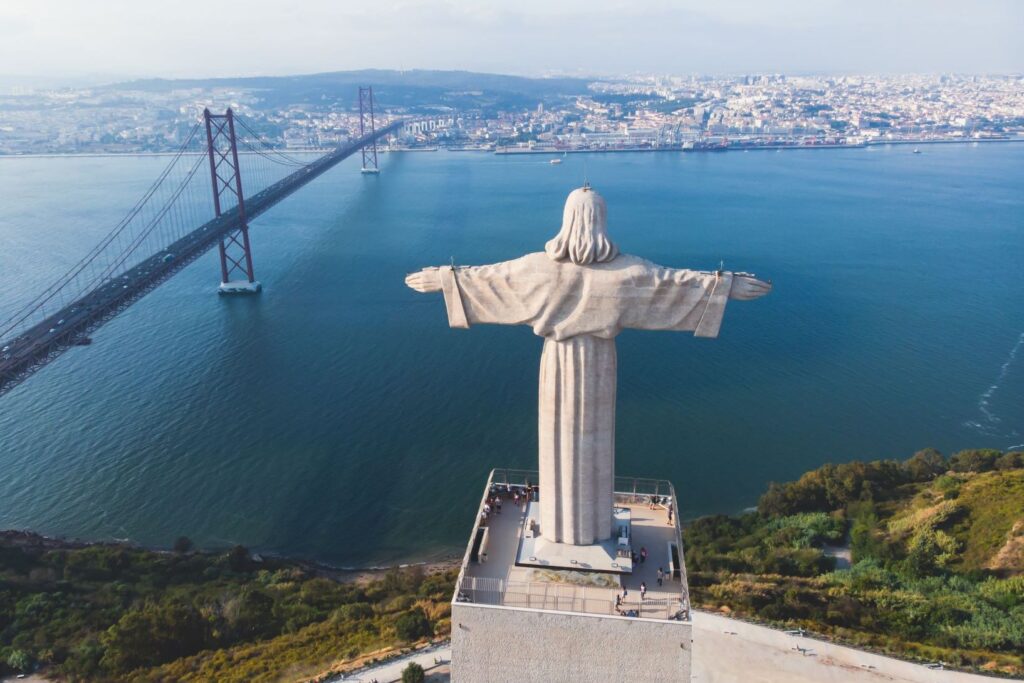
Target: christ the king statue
[578,294]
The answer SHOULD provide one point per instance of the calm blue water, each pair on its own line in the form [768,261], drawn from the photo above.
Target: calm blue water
[337,417]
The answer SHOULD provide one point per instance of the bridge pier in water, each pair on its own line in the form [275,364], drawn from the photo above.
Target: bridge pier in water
[236,271]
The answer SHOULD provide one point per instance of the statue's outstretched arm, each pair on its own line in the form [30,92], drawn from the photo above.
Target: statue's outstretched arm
[426,280]
[746,287]
[492,294]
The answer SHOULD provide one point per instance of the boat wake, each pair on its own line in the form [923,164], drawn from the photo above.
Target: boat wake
[990,424]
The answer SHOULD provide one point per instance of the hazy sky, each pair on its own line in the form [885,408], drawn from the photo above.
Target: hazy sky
[121,38]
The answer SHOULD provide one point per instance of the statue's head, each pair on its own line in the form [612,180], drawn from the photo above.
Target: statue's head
[583,238]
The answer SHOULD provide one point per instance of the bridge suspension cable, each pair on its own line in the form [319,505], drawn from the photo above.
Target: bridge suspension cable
[166,213]
[77,272]
[176,220]
[266,150]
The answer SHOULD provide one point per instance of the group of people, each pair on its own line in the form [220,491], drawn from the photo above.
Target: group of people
[519,495]
[665,502]
[620,600]
[638,557]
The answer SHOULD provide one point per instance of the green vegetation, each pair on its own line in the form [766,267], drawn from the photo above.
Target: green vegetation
[937,551]
[937,573]
[413,673]
[114,613]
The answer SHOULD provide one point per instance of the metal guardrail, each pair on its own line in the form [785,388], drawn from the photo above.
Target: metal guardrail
[564,597]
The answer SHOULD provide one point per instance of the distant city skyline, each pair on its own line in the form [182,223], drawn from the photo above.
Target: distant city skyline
[58,40]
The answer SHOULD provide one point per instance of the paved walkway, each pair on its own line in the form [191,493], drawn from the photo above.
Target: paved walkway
[731,651]
[391,671]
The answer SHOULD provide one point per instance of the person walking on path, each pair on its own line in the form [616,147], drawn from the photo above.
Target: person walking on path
[643,554]
[670,513]
[643,589]
[661,576]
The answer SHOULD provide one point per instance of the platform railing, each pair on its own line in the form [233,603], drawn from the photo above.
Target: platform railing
[565,597]
[628,490]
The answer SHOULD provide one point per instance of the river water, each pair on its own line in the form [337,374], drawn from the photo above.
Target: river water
[336,417]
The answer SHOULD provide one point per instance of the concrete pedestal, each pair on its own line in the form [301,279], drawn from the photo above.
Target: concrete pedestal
[239,287]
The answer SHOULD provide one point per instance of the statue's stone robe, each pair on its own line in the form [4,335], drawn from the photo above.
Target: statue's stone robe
[579,310]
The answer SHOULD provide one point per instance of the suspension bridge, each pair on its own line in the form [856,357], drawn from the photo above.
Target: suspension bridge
[179,218]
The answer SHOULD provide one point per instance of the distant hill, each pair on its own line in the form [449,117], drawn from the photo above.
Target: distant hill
[416,89]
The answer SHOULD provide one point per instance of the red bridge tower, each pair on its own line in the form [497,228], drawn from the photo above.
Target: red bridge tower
[367,127]
[236,272]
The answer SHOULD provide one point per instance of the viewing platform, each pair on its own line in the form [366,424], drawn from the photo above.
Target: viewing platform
[508,564]
[520,614]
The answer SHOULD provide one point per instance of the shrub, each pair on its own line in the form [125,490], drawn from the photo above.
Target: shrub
[19,660]
[252,616]
[238,558]
[399,603]
[832,487]
[153,635]
[975,460]
[413,625]
[353,612]
[1010,461]
[926,518]
[810,528]
[182,544]
[413,673]
[948,486]
[437,586]
[925,464]
[929,551]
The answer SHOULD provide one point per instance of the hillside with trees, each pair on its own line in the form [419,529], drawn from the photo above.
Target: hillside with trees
[935,549]
[116,613]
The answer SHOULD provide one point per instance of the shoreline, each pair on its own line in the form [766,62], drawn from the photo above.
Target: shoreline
[347,574]
[746,148]
[516,151]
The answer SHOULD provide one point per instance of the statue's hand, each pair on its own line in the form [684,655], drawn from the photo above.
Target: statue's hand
[426,280]
[746,287]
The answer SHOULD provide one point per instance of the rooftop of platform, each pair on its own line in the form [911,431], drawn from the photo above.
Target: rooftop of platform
[504,565]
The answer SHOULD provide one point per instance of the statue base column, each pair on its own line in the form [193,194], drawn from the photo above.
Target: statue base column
[611,556]
[576,439]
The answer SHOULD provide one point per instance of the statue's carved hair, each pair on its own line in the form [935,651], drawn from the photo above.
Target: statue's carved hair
[583,238]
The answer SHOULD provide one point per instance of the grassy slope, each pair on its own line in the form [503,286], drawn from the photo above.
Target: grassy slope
[994,503]
[962,603]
